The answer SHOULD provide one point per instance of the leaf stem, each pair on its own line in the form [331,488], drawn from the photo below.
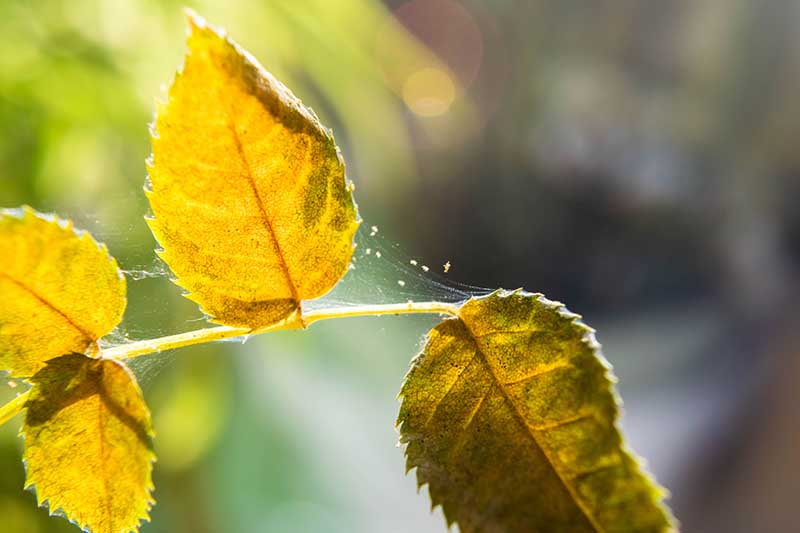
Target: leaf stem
[12,408]
[136,349]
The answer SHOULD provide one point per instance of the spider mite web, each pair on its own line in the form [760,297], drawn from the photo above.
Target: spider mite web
[382,272]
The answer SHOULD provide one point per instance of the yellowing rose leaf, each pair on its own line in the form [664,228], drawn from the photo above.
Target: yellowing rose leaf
[88,450]
[247,188]
[510,417]
[59,291]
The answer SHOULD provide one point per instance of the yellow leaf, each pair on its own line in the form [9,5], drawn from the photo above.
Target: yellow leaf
[510,417]
[59,291]
[248,191]
[88,450]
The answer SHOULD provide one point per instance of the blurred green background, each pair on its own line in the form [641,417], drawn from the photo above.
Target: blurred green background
[636,159]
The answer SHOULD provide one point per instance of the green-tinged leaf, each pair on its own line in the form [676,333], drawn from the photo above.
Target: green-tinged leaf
[88,450]
[248,189]
[510,417]
[59,291]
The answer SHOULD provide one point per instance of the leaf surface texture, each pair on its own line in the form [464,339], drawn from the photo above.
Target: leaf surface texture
[510,417]
[60,290]
[88,450]
[248,189]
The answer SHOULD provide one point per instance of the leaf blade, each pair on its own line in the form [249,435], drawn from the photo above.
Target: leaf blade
[249,196]
[510,418]
[61,291]
[88,444]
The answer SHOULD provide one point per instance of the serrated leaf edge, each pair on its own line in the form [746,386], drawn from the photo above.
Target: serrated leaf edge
[590,340]
[44,503]
[26,212]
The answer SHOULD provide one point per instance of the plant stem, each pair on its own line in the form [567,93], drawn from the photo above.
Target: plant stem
[200,336]
[135,349]
[438,308]
[12,408]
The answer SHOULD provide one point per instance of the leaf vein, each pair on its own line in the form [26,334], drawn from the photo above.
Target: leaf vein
[264,216]
[560,423]
[450,389]
[539,372]
[532,436]
[103,472]
[49,305]
[462,438]
[603,468]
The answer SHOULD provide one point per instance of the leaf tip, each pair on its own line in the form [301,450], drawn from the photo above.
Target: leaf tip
[194,20]
[199,26]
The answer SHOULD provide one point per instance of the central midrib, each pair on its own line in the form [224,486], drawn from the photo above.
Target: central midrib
[47,304]
[101,426]
[265,219]
[521,420]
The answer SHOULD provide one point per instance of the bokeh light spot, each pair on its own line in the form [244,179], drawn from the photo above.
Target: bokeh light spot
[450,31]
[429,92]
